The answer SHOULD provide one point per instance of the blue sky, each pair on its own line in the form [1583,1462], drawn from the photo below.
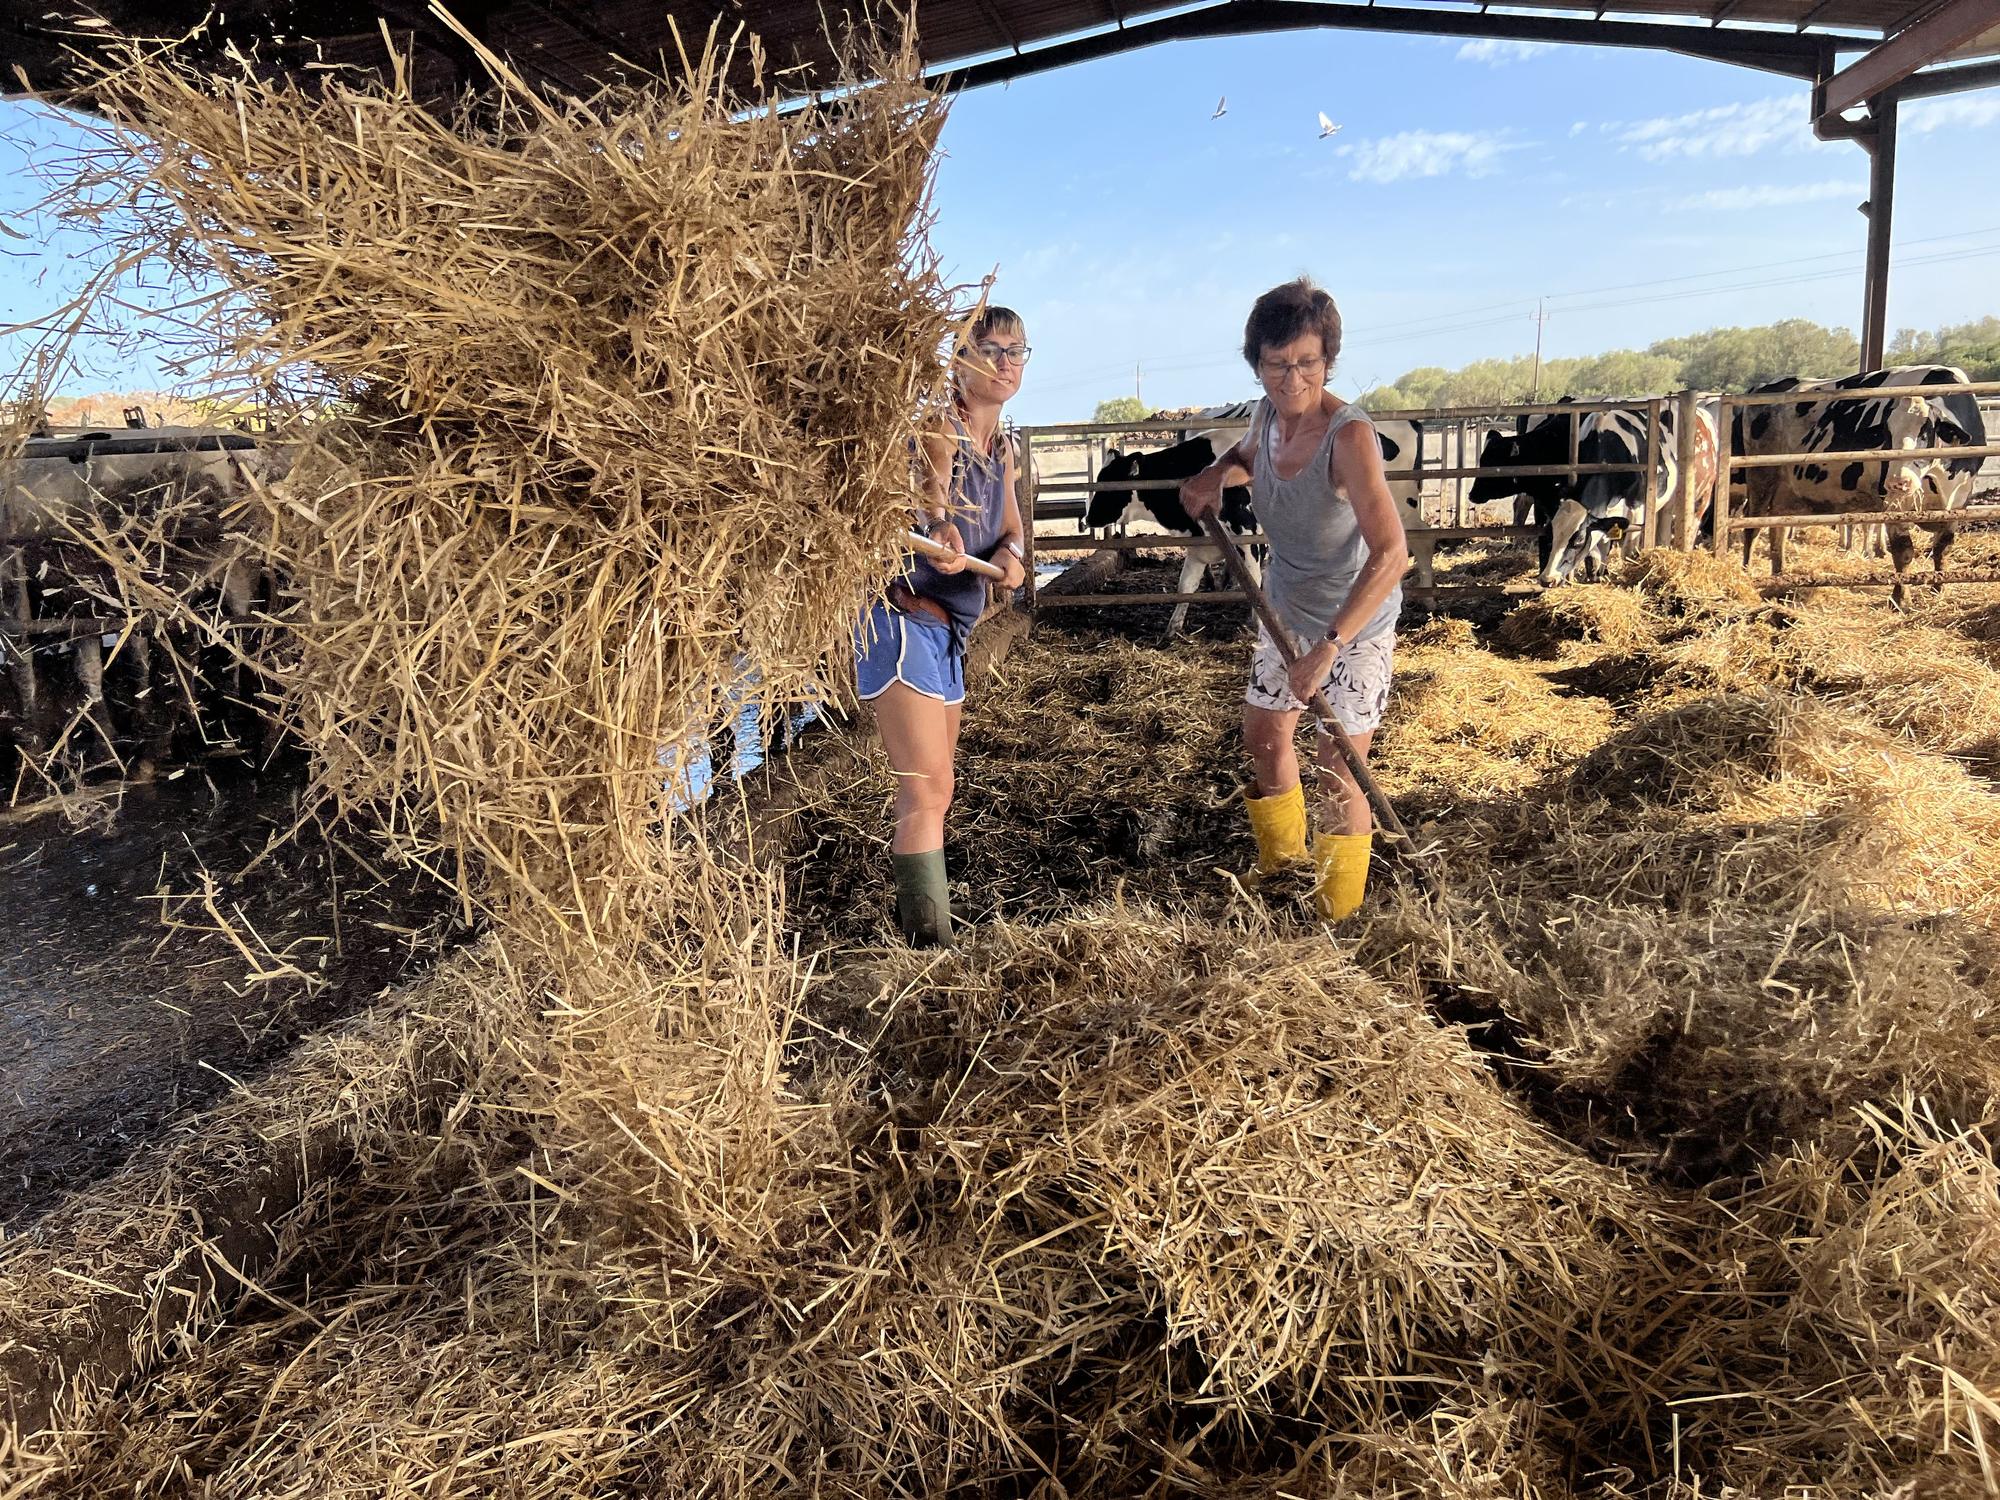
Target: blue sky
[1469,179]
[1642,194]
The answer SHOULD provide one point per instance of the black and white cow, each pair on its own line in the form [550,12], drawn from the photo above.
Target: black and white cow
[1833,417]
[1609,510]
[1182,461]
[1539,495]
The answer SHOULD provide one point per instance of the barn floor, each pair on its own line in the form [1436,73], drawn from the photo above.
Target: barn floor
[1720,877]
[115,1024]
[118,1025]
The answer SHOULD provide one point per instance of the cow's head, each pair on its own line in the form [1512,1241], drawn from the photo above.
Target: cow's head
[1106,506]
[1581,541]
[1569,535]
[1945,483]
[1501,450]
[1906,422]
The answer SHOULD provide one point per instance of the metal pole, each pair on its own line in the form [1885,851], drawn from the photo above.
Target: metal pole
[1541,317]
[1575,443]
[1385,813]
[1881,224]
[1459,484]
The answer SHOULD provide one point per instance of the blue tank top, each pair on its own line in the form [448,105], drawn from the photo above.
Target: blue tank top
[978,502]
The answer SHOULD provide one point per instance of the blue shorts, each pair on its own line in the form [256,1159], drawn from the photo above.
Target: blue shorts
[915,650]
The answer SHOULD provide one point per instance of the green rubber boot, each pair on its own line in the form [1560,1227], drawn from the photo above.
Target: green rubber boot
[923,901]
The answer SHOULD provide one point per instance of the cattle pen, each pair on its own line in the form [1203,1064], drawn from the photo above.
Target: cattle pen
[1728,527]
[1678,518]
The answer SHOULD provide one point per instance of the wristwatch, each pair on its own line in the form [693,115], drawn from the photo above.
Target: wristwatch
[1333,638]
[1015,548]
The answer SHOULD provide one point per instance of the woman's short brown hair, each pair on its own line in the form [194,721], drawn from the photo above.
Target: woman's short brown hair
[1288,312]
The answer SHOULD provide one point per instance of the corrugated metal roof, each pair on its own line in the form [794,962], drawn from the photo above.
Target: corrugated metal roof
[569,43]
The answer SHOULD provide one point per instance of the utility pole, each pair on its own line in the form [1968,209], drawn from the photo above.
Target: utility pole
[1541,316]
[1138,394]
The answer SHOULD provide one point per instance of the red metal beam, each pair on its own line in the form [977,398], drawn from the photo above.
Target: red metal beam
[1930,40]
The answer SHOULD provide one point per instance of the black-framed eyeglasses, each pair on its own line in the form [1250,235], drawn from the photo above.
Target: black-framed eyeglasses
[994,353]
[1308,369]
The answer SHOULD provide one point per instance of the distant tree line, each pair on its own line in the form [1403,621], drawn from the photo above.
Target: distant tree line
[1722,359]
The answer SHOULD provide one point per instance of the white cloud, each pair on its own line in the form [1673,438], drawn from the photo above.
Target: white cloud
[1498,53]
[1745,129]
[1578,128]
[1967,111]
[1422,153]
[1767,195]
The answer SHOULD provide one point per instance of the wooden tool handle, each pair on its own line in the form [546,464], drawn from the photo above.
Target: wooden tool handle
[921,543]
[1385,814]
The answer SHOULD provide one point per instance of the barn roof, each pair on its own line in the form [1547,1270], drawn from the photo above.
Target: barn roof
[572,44]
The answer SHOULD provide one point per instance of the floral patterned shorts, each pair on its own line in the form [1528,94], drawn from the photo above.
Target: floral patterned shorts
[1357,685]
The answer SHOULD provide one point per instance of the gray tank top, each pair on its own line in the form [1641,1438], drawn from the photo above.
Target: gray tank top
[1317,548]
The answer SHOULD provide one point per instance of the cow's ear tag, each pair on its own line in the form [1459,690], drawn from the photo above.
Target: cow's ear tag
[1618,531]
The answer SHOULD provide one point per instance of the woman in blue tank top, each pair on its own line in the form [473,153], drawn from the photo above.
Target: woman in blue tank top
[1337,550]
[909,650]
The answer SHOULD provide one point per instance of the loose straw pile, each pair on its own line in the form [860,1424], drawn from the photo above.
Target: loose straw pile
[1649,1160]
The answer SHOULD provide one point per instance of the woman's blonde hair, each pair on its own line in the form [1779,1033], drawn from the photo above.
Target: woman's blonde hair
[995,320]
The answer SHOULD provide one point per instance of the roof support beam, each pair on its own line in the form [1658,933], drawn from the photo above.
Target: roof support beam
[1930,40]
[1950,80]
[1795,56]
[1881,225]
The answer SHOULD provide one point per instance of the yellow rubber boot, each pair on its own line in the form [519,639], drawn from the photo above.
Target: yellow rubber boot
[1342,862]
[1280,825]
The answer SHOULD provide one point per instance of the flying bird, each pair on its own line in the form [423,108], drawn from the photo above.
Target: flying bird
[1326,126]
[1221,108]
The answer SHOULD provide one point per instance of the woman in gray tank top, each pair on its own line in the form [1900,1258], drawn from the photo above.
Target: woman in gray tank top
[1337,554]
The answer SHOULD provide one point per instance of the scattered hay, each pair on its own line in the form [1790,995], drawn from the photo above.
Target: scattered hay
[1465,723]
[265,1186]
[1735,918]
[1601,614]
[1887,825]
[1694,586]
[1849,1340]
[1326,1192]
[1133,1199]
[1087,765]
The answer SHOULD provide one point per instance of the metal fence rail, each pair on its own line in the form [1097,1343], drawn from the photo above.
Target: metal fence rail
[1673,520]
